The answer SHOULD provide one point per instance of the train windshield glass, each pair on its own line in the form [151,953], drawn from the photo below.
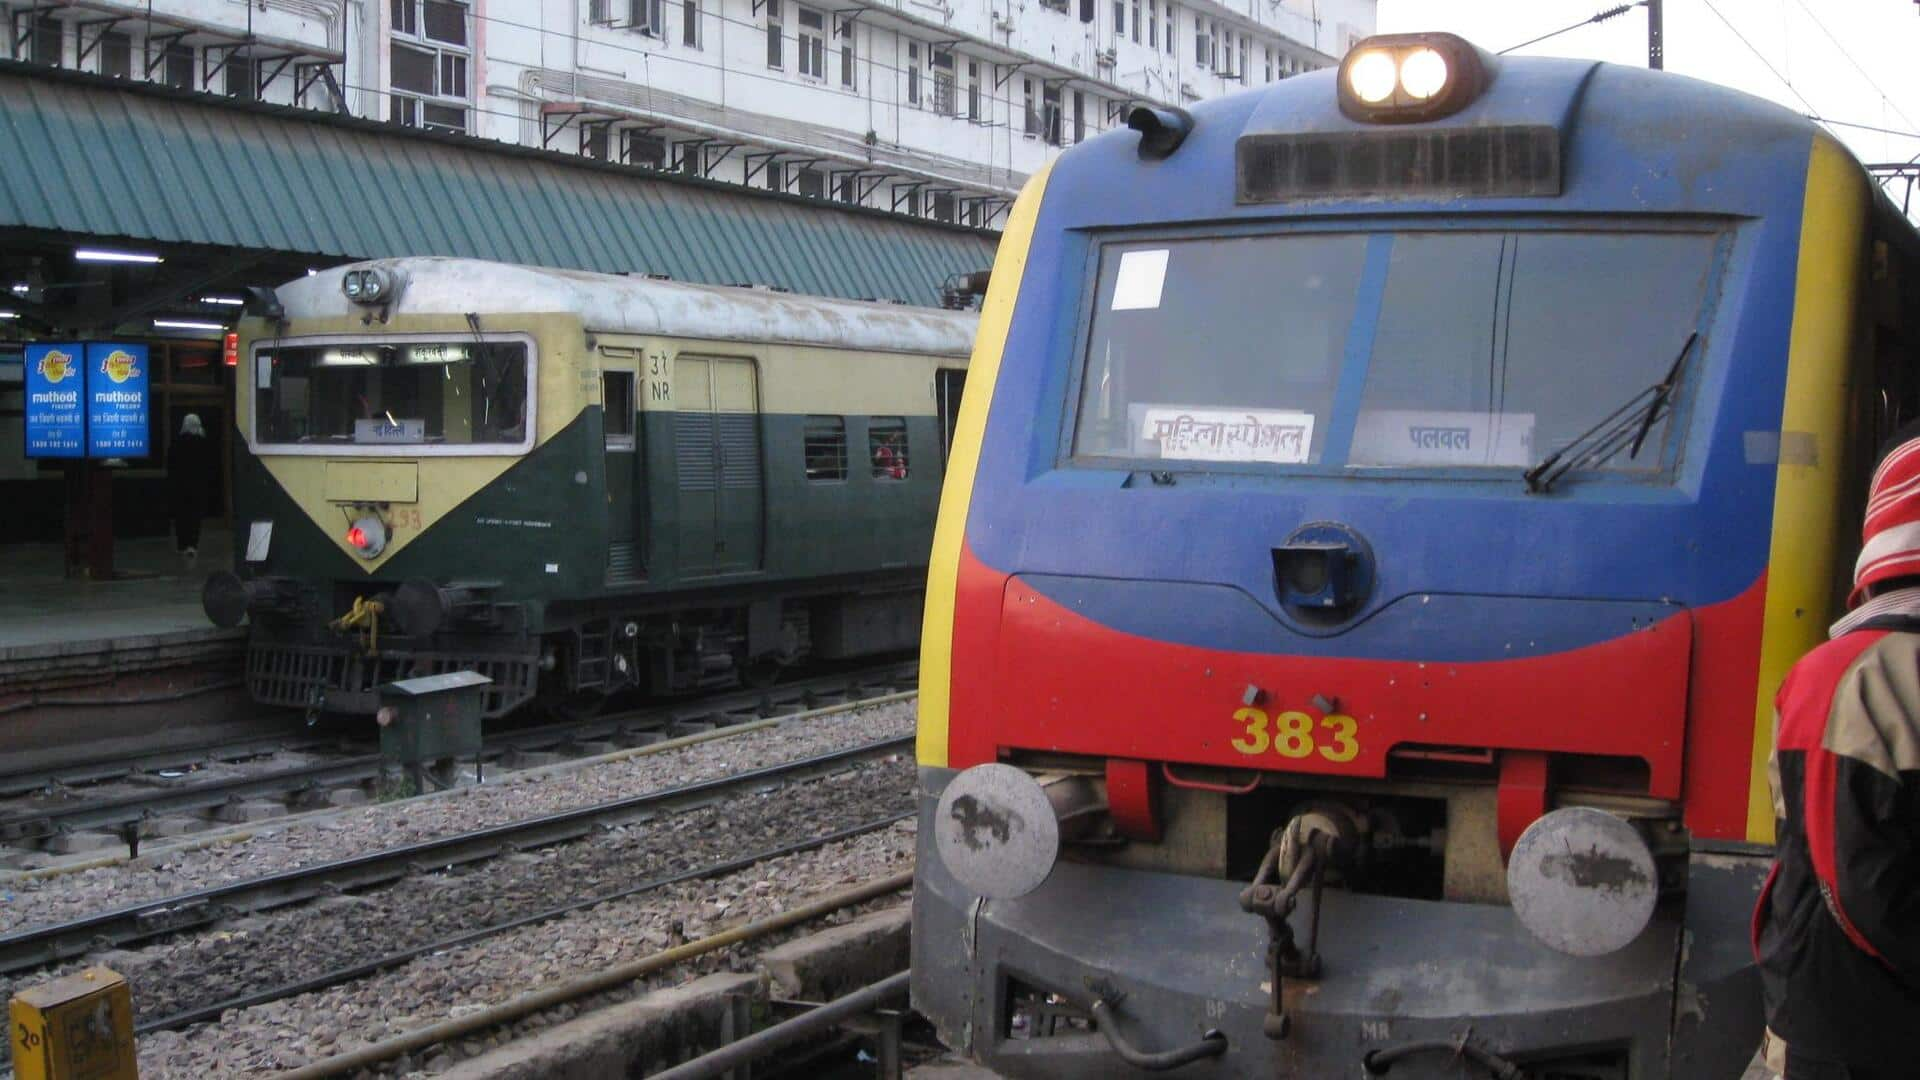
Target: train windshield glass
[1496,349]
[1219,349]
[465,393]
[1472,350]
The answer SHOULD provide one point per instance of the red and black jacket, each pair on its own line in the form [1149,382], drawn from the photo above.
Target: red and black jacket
[1837,929]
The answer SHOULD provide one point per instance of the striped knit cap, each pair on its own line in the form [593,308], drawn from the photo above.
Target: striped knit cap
[1890,537]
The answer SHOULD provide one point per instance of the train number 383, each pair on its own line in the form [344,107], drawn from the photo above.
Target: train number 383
[1295,735]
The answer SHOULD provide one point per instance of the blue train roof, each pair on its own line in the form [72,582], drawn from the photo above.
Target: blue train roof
[1630,138]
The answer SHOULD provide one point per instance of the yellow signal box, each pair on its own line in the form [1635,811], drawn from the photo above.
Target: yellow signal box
[77,1027]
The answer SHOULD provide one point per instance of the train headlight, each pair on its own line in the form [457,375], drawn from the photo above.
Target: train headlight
[371,285]
[1401,78]
[1423,73]
[367,536]
[1372,76]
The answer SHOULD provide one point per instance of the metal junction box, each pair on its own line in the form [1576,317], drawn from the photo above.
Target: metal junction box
[77,1027]
[432,718]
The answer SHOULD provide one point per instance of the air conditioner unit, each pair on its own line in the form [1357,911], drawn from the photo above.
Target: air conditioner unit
[1104,58]
[1003,23]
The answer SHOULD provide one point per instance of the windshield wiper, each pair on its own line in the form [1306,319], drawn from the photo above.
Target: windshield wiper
[1625,428]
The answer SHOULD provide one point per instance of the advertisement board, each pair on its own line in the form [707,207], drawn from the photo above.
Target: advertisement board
[117,400]
[56,400]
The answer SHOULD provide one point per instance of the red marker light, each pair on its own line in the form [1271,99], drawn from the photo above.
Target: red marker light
[357,537]
[232,350]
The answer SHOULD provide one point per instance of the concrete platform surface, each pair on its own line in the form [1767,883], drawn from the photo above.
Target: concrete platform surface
[154,593]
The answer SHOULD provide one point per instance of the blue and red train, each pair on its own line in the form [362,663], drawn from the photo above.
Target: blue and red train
[1384,506]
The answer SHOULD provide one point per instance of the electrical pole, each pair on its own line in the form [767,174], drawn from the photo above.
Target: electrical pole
[1656,45]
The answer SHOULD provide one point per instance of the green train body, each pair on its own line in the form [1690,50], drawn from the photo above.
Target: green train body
[577,483]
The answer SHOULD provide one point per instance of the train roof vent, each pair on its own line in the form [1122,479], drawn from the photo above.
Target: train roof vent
[1480,161]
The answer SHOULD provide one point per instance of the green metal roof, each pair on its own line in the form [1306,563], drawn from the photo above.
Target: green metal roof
[100,158]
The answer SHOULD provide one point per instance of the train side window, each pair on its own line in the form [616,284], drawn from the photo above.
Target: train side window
[616,397]
[887,447]
[948,384]
[826,448]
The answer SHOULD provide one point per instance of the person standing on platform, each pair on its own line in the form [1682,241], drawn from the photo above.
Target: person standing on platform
[1837,929]
[189,471]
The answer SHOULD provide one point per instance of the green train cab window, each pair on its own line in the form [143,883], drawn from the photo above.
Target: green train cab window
[1219,349]
[1495,349]
[425,394]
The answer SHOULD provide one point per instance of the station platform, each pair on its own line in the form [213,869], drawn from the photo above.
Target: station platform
[87,662]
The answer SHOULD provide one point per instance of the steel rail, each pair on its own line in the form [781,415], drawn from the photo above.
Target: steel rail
[20,782]
[126,812]
[36,947]
[743,1052]
[588,985]
[205,1013]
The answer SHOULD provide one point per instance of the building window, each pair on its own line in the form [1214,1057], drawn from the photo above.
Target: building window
[1171,32]
[428,74]
[1052,98]
[945,101]
[1153,24]
[240,78]
[1136,22]
[825,448]
[593,141]
[1243,59]
[1086,11]
[812,183]
[887,447]
[1055,5]
[913,73]
[776,176]
[116,55]
[177,69]
[844,30]
[776,45]
[846,188]
[1269,68]
[46,40]
[973,89]
[649,17]
[599,12]
[1201,47]
[690,24]
[1079,117]
[1032,112]
[943,206]
[639,148]
[1119,19]
[813,44]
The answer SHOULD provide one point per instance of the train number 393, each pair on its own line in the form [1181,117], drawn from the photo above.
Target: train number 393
[1295,735]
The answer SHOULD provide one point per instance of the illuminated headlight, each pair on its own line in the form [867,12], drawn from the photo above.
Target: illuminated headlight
[367,536]
[1401,78]
[1423,73]
[1373,76]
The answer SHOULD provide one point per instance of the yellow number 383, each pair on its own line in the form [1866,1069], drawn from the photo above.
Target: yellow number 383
[1292,734]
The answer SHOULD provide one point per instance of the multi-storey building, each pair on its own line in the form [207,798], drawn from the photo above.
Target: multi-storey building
[938,108]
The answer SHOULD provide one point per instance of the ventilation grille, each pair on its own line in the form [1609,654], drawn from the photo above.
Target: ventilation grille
[693,451]
[1493,161]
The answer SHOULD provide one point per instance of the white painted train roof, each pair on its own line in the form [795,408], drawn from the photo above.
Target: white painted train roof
[613,303]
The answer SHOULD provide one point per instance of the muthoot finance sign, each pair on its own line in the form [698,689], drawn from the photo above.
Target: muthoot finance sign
[56,406]
[116,400]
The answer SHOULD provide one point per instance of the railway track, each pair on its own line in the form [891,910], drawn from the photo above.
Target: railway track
[132,816]
[40,946]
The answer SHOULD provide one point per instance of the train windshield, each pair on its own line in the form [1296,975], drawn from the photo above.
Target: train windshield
[446,393]
[1459,349]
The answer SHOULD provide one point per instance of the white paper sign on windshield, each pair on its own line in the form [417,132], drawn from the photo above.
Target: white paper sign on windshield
[1186,433]
[1142,275]
[1441,437]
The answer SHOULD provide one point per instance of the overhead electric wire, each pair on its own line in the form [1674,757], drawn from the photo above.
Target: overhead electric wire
[1884,96]
[1812,111]
[1603,16]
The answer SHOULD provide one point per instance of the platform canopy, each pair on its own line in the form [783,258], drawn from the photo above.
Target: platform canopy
[94,160]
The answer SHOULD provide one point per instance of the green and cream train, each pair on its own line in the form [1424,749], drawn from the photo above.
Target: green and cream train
[575,483]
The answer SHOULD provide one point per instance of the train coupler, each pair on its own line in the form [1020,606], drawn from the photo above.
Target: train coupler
[1301,852]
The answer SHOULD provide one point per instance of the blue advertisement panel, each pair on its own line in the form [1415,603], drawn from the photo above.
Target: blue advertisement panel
[117,400]
[56,405]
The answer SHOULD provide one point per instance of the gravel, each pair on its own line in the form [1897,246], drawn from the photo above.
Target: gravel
[286,1034]
[286,846]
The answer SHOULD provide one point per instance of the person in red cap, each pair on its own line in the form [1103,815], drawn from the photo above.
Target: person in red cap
[1837,928]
